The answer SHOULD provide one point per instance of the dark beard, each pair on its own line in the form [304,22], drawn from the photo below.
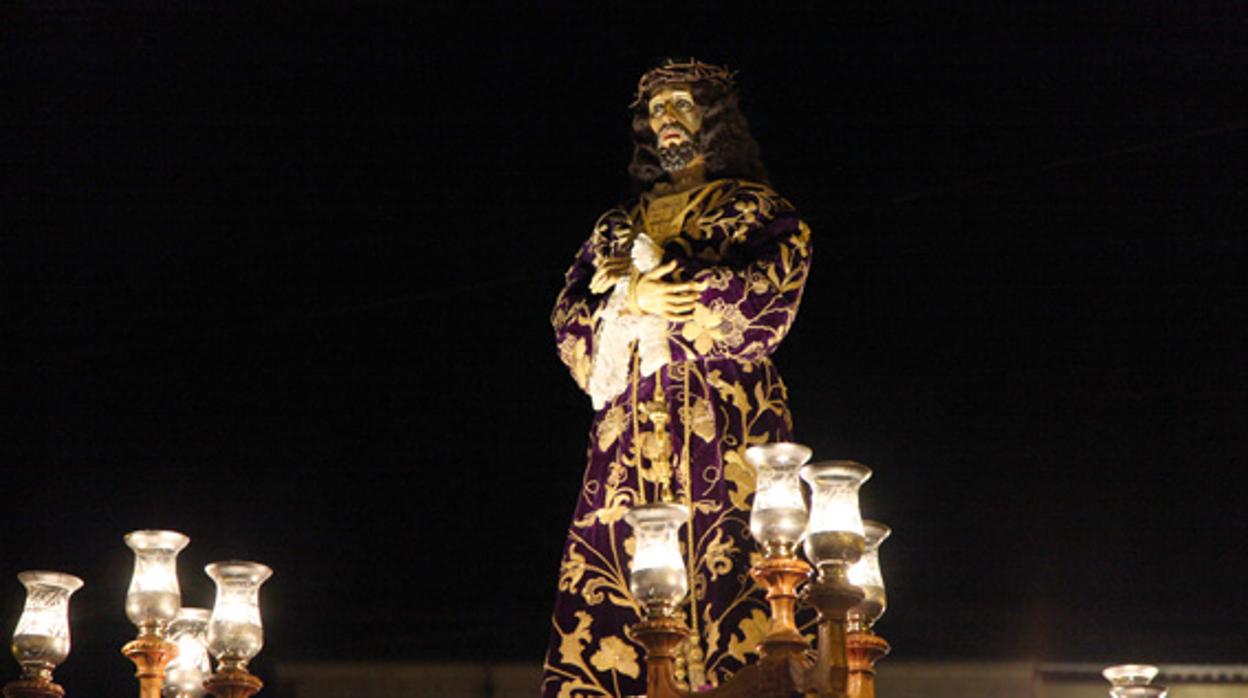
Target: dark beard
[677,157]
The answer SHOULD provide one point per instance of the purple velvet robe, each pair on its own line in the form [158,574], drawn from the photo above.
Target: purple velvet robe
[722,394]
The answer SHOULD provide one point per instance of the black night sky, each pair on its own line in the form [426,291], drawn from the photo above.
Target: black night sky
[280,279]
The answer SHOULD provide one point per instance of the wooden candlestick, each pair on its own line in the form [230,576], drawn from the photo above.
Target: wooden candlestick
[150,654]
[233,682]
[660,636]
[38,687]
[865,648]
[780,577]
[833,595]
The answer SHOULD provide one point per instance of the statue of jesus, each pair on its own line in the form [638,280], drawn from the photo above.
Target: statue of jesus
[667,319]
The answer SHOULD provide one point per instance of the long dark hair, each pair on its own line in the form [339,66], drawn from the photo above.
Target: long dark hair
[725,139]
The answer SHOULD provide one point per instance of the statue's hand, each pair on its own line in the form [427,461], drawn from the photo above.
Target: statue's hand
[610,270]
[670,300]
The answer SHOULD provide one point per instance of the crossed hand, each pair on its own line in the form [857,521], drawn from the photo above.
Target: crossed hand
[670,300]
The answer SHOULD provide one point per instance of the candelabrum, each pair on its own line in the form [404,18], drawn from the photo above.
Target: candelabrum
[777,521]
[170,651]
[151,602]
[235,633]
[834,539]
[863,647]
[41,638]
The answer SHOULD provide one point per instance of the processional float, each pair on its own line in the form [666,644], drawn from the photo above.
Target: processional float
[171,650]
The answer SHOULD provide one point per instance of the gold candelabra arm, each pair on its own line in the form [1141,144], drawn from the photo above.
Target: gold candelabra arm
[780,577]
[233,682]
[150,654]
[39,687]
[865,648]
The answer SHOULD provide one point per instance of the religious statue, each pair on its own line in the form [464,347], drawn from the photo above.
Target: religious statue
[667,320]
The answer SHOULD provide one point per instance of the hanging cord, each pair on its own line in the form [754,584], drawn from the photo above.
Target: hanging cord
[641,483]
[686,416]
[697,659]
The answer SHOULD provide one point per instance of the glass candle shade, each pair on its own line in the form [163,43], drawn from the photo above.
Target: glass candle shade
[154,597]
[185,675]
[657,576]
[235,633]
[865,574]
[1133,681]
[834,533]
[41,638]
[778,515]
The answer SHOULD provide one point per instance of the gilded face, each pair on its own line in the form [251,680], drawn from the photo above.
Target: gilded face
[674,116]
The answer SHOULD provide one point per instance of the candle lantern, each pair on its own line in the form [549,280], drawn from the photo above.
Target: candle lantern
[778,515]
[154,597]
[834,534]
[657,577]
[41,638]
[1133,681]
[185,675]
[866,575]
[834,540]
[235,633]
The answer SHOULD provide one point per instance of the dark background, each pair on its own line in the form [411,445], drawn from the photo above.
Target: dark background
[279,278]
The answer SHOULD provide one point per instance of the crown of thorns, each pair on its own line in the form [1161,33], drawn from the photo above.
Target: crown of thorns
[674,72]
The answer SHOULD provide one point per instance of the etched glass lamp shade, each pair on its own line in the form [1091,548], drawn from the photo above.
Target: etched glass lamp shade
[41,638]
[235,633]
[154,597]
[865,574]
[185,675]
[834,533]
[778,515]
[1133,681]
[657,576]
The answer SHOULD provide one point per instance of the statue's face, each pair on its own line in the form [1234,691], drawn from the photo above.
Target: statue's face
[674,116]
[675,119]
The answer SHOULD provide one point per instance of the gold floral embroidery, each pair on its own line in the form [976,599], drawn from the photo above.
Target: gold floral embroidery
[712,632]
[759,283]
[741,480]
[573,643]
[614,655]
[745,219]
[571,571]
[731,392]
[599,589]
[573,353]
[617,506]
[719,554]
[566,691]
[613,423]
[703,329]
[718,326]
[753,630]
[702,421]
[733,322]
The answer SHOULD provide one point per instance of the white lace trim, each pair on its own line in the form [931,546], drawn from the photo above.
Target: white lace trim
[617,329]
